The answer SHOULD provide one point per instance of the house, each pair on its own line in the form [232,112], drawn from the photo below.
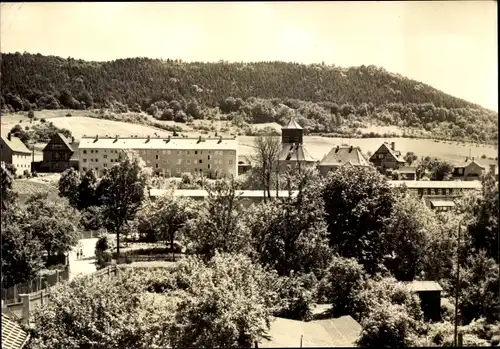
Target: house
[406,173]
[470,169]
[387,157]
[293,151]
[285,333]
[14,152]
[170,156]
[59,155]
[342,156]
[13,336]
[429,293]
[244,164]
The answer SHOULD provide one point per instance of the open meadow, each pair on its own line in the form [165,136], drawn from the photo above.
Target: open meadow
[80,124]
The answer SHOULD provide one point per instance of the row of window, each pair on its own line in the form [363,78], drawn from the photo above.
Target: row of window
[177,169]
[438,191]
[179,161]
[166,151]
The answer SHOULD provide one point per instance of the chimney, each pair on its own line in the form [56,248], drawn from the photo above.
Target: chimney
[149,138]
[199,139]
[215,134]
[350,149]
[393,145]
[167,140]
[220,139]
[9,136]
[116,139]
[337,149]
[72,139]
[96,138]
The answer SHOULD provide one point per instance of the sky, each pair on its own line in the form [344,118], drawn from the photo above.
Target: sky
[450,45]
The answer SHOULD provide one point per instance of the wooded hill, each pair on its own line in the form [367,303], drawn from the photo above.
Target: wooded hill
[325,97]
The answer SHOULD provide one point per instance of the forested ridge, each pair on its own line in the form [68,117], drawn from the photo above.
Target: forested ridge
[325,97]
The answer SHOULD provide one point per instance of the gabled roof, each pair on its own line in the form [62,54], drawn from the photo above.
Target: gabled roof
[339,156]
[295,152]
[396,154]
[16,145]
[419,286]
[292,125]
[340,332]
[59,138]
[466,163]
[442,203]
[13,336]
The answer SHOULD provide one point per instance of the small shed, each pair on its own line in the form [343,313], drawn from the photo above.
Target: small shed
[429,293]
[442,205]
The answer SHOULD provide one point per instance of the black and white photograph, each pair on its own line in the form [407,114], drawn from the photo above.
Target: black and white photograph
[237,174]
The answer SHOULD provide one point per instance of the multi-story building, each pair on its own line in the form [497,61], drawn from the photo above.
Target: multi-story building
[169,156]
[387,157]
[59,154]
[15,153]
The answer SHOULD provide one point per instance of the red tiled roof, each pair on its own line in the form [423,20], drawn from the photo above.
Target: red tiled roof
[13,336]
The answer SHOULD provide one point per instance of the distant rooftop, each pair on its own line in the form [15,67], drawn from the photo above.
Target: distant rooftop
[175,143]
[438,184]
[292,125]
[344,154]
[420,286]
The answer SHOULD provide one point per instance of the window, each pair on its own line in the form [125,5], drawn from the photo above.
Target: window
[105,165]
[157,157]
[209,157]
[97,151]
[156,165]
[200,161]
[178,152]
[91,151]
[169,152]
[209,166]
[84,151]
[178,170]
[163,152]
[84,160]
[91,160]
[189,162]
[230,162]
[179,161]
[96,160]
[188,152]
[196,152]
[84,168]
[105,156]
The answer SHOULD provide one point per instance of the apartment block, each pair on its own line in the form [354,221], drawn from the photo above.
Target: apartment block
[170,156]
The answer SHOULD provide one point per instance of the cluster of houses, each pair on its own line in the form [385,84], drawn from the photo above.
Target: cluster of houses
[215,157]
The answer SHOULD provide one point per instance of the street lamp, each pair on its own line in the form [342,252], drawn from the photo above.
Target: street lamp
[457,287]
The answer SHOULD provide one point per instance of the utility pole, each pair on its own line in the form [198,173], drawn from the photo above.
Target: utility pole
[457,287]
[33,157]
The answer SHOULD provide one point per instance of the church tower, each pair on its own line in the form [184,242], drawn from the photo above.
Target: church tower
[292,133]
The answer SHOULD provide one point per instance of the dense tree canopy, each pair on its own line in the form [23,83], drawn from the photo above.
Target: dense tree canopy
[324,96]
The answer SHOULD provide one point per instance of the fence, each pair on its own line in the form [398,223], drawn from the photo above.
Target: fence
[12,294]
[24,304]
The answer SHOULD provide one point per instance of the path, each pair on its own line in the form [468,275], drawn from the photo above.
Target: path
[85,265]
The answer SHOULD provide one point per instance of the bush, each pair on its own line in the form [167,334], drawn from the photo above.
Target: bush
[42,120]
[68,115]
[103,248]
[296,298]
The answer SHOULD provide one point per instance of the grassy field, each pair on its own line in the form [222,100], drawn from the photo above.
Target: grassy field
[80,125]
[26,187]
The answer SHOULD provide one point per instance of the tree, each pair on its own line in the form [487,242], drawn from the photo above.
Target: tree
[358,204]
[410,157]
[69,186]
[123,189]
[484,229]
[52,223]
[8,196]
[88,191]
[218,226]
[408,231]
[229,305]
[342,285]
[267,149]
[169,217]
[21,253]
[290,235]
[100,313]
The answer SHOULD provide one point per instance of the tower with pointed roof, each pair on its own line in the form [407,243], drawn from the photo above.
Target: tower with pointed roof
[293,150]
[292,133]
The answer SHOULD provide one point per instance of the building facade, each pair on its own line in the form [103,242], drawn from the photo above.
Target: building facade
[169,157]
[387,157]
[59,155]
[15,153]
[340,156]
[468,170]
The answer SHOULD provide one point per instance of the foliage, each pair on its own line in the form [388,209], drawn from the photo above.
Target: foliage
[229,305]
[95,313]
[123,189]
[217,226]
[68,186]
[436,169]
[410,158]
[325,97]
[290,235]
[7,195]
[296,298]
[358,204]
[39,133]
[484,228]
[342,285]
[104,247]
[21,254]
[53,223]
[267,149]
[408,231]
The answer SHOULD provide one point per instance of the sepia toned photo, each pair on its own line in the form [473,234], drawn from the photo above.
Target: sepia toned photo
[296,174]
